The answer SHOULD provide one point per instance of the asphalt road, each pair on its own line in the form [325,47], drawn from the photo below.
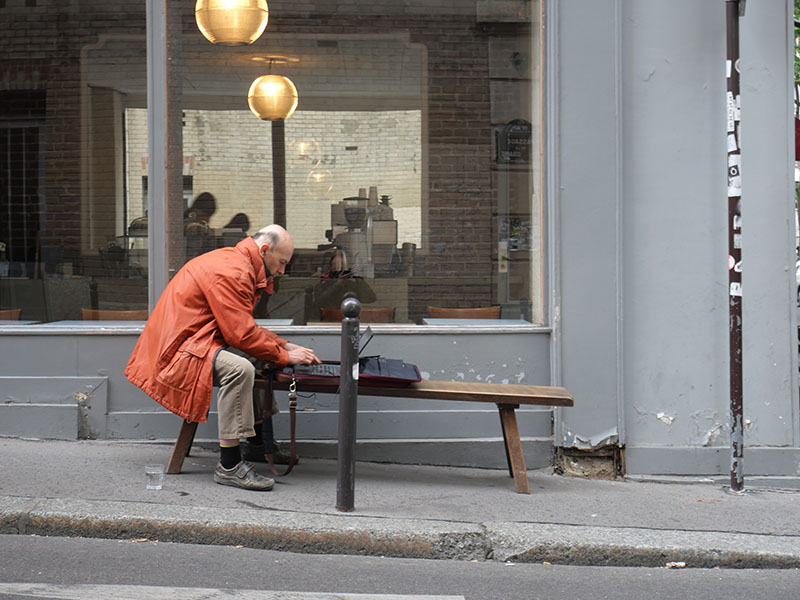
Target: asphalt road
[94,569]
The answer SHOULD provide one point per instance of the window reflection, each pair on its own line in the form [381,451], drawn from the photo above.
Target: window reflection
[62,137]
[409,173]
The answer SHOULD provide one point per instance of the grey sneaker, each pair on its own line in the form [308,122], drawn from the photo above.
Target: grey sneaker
[253,453]
[244,476]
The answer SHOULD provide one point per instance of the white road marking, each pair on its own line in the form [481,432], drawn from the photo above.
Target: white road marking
[52,591]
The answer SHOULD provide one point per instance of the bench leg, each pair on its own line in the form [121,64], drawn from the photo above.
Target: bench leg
[516,460]
[182,446]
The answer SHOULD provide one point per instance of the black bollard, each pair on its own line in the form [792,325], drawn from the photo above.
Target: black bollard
[348,406]
[308,306]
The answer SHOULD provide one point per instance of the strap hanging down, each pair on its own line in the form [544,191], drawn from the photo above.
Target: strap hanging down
[292,425]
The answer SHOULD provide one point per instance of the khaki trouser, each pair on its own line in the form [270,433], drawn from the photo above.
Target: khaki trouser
[237,406]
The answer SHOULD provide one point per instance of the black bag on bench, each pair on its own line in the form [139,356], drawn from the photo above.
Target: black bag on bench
[375,371]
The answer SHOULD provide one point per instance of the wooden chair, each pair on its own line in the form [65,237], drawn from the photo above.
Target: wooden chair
[92,314]
[482,312]
[367,315]
[11,314]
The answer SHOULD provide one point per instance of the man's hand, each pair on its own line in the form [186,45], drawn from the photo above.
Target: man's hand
[298,355]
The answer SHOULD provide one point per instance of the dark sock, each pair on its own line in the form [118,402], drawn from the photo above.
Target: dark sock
[229,456]
[256,439]
[267,435]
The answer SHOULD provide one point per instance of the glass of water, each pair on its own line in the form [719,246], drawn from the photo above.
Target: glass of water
[155,476]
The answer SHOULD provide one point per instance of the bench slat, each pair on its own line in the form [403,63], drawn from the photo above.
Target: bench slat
[495,393]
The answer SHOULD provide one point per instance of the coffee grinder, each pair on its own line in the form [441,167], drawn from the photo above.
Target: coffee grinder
[350,225]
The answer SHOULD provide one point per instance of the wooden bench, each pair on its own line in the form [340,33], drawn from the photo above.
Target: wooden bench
[507,398]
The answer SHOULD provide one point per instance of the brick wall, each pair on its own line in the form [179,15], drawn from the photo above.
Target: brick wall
[41,50]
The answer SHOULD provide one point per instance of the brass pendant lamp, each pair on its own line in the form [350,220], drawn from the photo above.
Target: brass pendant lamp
[231,22]
[272,97]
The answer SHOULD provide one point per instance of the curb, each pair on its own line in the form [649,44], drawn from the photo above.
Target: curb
[412,538]
[640,547]
[267,529]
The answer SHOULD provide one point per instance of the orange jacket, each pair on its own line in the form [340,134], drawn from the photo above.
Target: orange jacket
[207,305]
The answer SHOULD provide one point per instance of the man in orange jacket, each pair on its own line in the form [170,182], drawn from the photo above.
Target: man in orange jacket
[205,312]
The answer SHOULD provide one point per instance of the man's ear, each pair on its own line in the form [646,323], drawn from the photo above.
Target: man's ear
[263,249]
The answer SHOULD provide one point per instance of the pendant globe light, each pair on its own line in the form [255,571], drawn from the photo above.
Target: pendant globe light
[319,183]
[272,97]
[231,22]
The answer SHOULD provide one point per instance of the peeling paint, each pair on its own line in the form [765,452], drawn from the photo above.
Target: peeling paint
[707,427]
[574,440]
[84,430]
[661,415]
[713,434]
[664,417]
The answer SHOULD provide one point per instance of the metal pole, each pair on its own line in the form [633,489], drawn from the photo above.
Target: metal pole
[348,406]
[733,10]
[176,205]
[279,172]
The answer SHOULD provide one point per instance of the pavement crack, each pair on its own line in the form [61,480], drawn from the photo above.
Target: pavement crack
[259,506]
[653,528]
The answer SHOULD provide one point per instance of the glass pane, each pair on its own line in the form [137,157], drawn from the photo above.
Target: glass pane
[64,243]
[409,173]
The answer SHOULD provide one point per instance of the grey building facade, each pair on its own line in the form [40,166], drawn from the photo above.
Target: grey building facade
[623,298]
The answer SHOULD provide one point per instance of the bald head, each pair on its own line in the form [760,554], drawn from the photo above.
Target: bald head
[275,236]
[275,246]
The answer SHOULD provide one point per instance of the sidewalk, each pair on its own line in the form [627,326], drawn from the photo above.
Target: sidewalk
[97,489]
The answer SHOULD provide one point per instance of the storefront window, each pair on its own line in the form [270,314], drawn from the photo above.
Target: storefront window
[68,74]
[409,173]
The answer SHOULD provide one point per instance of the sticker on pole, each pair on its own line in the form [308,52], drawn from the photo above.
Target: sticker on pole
[736,288]
[734,175]
[731,113]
